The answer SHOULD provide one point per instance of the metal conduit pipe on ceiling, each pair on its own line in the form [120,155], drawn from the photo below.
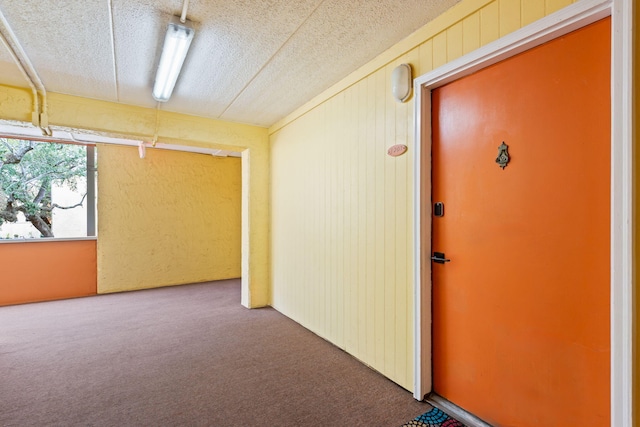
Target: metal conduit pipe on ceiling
[39,116]
[183,16]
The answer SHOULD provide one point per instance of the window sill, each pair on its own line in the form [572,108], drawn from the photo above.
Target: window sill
[49,239]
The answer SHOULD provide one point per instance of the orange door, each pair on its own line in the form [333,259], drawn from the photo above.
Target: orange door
[521,312]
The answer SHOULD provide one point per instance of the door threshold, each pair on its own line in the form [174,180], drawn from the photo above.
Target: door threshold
[455,411]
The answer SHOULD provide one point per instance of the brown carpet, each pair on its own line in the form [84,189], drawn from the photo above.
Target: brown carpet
[186,355]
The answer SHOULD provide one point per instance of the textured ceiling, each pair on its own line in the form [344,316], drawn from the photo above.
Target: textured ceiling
[251,61]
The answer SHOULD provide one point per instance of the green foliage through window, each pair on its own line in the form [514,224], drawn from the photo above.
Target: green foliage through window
[29,171]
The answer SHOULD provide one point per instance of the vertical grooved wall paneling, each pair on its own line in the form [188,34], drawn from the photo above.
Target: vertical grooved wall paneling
[471,33]
[342,209]
[636,248]
[489,23]
[388,233]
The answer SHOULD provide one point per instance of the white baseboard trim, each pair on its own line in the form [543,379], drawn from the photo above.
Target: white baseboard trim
[456,412]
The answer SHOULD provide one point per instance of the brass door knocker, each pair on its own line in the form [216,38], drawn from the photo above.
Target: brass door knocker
[503,155]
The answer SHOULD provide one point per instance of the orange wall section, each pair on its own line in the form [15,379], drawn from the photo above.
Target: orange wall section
[43,271]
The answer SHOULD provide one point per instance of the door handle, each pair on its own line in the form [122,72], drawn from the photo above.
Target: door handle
[439,258]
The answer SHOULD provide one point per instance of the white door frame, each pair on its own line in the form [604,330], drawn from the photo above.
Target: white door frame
[572,17]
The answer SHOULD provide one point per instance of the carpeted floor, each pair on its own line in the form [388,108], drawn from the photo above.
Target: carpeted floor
[186,355]
[434,418]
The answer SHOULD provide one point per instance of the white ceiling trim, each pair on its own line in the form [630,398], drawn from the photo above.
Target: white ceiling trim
[34,134]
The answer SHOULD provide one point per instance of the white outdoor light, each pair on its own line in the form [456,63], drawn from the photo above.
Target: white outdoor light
[174,51]
[401,82]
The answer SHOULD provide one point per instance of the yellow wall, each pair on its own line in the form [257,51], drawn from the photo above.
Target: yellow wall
[170,218]
[121,120]
[342,209]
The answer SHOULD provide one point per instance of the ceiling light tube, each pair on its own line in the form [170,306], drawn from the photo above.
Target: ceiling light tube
[174,51]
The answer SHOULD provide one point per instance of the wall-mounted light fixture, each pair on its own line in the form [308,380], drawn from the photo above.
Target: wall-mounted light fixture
[401,82]
[176,44]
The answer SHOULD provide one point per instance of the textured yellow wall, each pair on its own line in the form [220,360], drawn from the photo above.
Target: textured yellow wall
[342,209]
[122,120]
[170,218]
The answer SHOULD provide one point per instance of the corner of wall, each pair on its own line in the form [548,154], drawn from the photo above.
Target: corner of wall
[119,120]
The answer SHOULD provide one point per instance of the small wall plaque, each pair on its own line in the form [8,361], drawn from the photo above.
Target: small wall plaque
[397,150]
[503,155]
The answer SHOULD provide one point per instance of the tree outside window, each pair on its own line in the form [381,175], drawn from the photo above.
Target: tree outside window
[38,182]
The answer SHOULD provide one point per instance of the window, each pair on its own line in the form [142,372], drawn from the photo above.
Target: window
[47,190]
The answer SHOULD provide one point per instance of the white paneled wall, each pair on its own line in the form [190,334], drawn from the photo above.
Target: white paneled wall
[342,209]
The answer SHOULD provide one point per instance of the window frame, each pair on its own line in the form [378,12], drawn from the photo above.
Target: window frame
[90,199]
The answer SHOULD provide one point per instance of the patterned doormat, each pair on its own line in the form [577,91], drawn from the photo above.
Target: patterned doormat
[434,418]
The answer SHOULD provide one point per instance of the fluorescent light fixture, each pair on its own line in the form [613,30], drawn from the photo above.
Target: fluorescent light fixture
[174,50]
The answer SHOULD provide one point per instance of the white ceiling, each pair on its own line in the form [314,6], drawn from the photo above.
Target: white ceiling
[251,61]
